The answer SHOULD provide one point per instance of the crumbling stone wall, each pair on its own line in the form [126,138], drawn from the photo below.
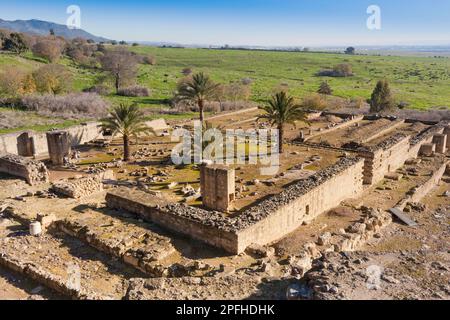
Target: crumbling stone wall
[265,222]
[34,172]
[304,201]
[11,143]
[78,188]
[385,157]
[217,186]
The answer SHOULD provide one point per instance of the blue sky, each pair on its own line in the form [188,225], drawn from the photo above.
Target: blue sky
[252,22]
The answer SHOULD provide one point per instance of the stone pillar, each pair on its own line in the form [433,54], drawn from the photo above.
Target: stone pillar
[427,149]
[441,143]
[217,186]
[447,133]
[59,146]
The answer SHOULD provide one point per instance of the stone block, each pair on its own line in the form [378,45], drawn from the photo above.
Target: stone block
[427,149]
[34,172]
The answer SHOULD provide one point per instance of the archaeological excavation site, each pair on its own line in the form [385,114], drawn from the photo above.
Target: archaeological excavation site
[358,209]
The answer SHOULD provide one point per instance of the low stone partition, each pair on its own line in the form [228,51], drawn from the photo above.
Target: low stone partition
[211,227]
[34,172]
[347,122]
[263,223]
[78,188]
[385,157]
[419,192]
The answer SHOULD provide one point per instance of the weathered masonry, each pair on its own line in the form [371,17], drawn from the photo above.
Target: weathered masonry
[217,186]
[392,153]
[59,146]
[34,172]
[265,222]
[30,143]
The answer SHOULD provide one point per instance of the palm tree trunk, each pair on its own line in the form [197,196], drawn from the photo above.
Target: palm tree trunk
[200,107]
[280,135]
[117,84]
[126,148]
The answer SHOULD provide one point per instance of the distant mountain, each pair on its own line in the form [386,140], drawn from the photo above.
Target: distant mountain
[43,28]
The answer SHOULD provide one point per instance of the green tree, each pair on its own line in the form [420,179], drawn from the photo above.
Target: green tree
[350,50]
[381,99]
[197,89]
[325,89]
[15,43]
[280,110]
[127,120]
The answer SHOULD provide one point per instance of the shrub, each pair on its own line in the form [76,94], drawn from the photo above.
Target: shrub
[16,42]
[74,105]
[340,70]
[49,49]
[98,89]
[186,71]
[313,102]
[14,81]
[134,91]
[382,99]
[246,81]
[149,59]
[53,78]
[325,89]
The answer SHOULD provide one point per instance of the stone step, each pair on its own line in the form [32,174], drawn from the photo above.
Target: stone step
[61,262]
[123,237]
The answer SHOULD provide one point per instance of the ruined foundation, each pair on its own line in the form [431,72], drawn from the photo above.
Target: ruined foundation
[34,172]
[78,188]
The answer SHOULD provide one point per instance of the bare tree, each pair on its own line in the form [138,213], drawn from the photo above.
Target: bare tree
[121,65]
[50,49]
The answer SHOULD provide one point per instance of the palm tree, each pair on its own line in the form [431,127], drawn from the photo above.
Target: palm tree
[282,109]
[127,120]
[198,89]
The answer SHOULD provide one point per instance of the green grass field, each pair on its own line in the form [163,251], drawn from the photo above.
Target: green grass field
[421,82]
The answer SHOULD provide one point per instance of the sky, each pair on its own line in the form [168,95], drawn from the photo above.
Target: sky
[250,22]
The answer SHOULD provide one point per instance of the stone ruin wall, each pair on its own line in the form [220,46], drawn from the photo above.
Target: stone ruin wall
[209,227]
[78,188]
[421,191]
[34,172]
[391,154]
[263,223]
[37,142]
[384,158]
[287,217]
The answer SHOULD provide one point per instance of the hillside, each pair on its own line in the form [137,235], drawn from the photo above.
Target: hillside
[40,27]
[421,83]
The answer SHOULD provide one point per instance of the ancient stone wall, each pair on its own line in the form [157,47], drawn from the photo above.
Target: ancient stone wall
[347,122]
[385,157]
[285,212]
[12,143]
[78,188]
[34,172]
[265,222]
